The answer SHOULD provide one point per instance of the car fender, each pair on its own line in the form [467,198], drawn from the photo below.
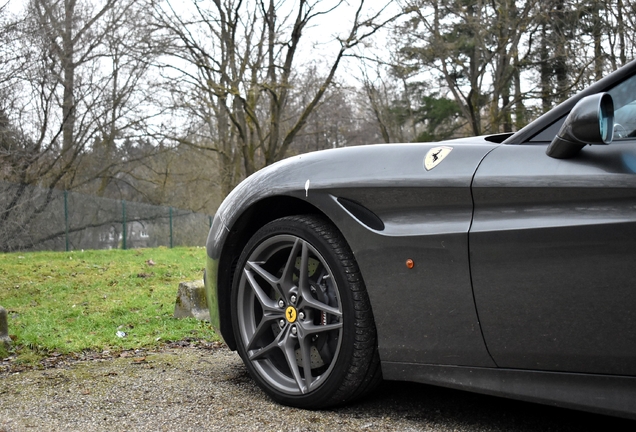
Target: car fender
[426,215]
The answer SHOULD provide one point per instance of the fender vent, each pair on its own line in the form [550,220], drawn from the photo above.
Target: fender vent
[362,213]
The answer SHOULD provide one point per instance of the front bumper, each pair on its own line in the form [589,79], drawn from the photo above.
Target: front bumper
[210,278]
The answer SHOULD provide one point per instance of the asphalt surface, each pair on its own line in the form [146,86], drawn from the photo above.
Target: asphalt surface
[200,389]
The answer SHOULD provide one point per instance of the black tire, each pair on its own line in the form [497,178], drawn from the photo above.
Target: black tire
[307,337]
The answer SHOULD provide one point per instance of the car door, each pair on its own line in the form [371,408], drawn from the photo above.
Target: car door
[553,254]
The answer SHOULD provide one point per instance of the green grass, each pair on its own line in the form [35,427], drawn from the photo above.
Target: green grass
[68,302]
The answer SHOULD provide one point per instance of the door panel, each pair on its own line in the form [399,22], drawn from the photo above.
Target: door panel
[553,258]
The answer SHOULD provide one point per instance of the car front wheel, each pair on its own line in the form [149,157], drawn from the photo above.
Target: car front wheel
[301,315]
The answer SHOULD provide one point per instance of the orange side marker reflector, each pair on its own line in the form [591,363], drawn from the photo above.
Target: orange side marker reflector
[410,264]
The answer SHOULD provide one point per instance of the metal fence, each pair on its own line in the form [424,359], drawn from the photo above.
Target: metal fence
[33,218]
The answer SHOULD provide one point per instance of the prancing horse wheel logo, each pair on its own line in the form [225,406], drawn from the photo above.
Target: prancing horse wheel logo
[290,314]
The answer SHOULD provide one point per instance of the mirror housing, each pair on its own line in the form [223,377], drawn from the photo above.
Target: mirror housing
[591,121]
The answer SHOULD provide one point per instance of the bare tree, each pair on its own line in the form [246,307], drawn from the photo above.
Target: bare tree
[239,58]
[389,102]
[70,31]
[80,82]
[75,88]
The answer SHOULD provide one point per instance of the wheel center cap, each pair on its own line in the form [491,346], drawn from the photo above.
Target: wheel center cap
[290,314]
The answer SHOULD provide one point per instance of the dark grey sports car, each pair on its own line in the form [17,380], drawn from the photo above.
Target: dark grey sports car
[502,264]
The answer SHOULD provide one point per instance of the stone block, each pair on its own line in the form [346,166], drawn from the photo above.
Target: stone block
[4,328]
[191,301]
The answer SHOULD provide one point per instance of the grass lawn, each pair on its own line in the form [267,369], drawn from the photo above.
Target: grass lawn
[66,302]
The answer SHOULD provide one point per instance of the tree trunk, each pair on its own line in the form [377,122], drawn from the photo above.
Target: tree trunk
[621,31]
[520,109]
[560,55]
[545,71]
[597,36]
[68,68]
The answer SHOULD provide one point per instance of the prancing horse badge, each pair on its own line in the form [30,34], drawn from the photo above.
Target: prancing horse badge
[435,156]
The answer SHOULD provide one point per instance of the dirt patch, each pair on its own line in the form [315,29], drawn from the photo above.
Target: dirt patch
[206,388]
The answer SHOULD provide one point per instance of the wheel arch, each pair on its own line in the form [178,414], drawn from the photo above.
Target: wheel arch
[251,220]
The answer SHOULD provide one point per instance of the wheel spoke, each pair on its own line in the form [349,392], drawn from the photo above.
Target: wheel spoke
[308,300]
[262,327]
[305,345]
[311,329]
[268,304]
[272,280]
[288,346]
[271,311]
[303,277]
[287,277]
[256,267]
[275,344]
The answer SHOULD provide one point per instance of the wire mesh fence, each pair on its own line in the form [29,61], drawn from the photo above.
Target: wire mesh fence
[33,218]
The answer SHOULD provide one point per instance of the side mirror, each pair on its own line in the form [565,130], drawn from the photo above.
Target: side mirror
[591,121]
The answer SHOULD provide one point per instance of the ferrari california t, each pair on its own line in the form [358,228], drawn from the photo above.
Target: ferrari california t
[502,264]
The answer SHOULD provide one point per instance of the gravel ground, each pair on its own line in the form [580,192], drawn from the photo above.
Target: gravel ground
[207,388]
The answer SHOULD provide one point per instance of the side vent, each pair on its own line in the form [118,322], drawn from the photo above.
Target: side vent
[363,214]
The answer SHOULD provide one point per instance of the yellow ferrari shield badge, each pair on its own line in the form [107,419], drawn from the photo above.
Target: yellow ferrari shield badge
[435,156]
[290,314]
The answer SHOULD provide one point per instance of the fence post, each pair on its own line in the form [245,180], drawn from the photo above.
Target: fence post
[123,211]
[66,219]
[170,227]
